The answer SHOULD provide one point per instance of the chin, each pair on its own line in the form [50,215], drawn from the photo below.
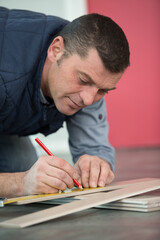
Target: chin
[66,111]
[69,113]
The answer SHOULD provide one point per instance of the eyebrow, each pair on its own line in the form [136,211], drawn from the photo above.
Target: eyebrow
[91,80]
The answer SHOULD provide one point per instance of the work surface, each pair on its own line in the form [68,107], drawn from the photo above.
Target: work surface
[94,223]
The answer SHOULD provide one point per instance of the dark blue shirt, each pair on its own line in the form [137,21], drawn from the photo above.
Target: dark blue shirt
[24,39]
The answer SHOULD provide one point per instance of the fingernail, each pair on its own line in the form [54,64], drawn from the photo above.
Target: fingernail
[86,185]
[101,184]
[93,184]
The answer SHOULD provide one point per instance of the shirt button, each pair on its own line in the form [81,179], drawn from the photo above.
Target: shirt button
[100,116]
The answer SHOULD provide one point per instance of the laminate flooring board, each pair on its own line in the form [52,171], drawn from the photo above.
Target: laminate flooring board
[134,209]
[140,203]
[76,192]
[79,205]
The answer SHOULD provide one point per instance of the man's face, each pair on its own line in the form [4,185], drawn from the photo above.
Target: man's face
[78,82]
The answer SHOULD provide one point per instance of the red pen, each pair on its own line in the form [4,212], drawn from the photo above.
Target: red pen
[50,154]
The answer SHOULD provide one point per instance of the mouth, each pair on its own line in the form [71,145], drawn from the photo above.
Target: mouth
[74,104]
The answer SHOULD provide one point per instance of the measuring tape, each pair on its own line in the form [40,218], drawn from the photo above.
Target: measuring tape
[42,197]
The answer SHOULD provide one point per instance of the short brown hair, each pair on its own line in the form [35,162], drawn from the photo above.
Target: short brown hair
[99,32]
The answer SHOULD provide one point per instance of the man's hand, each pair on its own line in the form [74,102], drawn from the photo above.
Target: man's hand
[48,175]
[93,171]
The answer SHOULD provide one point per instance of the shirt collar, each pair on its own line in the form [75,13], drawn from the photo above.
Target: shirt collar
[43,99]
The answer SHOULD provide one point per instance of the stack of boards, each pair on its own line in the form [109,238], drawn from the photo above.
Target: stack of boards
[141,203]
[121,195]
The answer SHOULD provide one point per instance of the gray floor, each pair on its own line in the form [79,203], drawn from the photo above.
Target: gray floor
[137,163]
[97,223]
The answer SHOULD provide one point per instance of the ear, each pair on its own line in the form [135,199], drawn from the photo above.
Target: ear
[56,49]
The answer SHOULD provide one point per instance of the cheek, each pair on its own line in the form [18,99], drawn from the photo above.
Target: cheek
[98,97]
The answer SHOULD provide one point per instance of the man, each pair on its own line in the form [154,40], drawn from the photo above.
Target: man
[53,71]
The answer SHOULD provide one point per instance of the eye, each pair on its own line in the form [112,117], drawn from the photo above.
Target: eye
[82,81]
[103,91]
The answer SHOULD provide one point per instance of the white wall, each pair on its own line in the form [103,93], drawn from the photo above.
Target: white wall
[68,9]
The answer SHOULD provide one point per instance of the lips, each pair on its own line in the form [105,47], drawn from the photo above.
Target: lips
[74,104]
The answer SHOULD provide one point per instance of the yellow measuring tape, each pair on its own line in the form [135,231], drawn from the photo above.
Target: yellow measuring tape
[4,201]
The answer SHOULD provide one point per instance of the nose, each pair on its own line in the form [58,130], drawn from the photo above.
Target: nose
[89,95]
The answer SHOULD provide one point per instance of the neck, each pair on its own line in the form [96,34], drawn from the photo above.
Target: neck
[44,82]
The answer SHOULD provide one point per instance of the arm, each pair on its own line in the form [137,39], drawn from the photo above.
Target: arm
[48,175]
[11,184]
[88,136]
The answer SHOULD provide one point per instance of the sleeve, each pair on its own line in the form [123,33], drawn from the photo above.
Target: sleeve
[88,133]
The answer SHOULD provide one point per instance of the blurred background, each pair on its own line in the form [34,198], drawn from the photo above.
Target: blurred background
[134,108]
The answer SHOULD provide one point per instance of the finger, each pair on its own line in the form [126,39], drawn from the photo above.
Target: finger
[106,175]
[77,177]
[104,172]
[54,182]
[44,188]
[77,170]
[94,173]
[61,164]
[77,173]
[59,174]
[110,178]
[85,173]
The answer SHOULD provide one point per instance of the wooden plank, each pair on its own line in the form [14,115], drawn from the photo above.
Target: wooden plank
[133,209]
[79,205]
[140,203]
[75,192]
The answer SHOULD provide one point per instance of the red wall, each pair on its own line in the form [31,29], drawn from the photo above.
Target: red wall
[133,108]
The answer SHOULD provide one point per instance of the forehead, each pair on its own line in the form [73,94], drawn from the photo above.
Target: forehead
[93,67]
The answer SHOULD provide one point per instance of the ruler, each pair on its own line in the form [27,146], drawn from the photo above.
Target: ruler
[69,193]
